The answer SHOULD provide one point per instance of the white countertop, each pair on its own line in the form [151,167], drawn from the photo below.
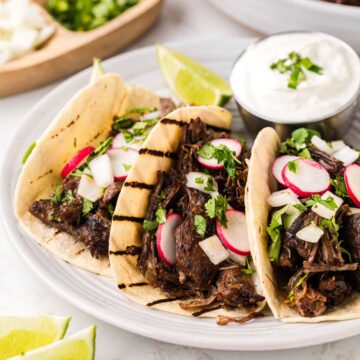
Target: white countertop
[21,292]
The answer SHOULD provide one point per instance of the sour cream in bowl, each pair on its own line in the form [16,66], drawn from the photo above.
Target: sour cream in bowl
[294,79]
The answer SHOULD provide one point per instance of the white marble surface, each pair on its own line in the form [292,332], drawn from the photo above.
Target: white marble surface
[22,293]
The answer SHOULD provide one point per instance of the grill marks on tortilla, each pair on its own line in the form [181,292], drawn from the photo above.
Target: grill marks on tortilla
[139,220]
[70,124]
[183,123]
[132,250]
[123,286]
[41,176]
[139,185]
[158,153]
[204,311]
[161,301]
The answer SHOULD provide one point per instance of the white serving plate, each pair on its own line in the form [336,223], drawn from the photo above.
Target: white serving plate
[268,16]
[98,296]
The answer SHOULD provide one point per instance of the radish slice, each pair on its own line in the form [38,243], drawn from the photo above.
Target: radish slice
[201,181]
[352,181]
[324,211]
[76,161]
[231,144]
[122,161]
[120,142]
[310,178]
[234,236]
[282,197]
[165,238]
[321,144]
[214,249]
[279,164]
[101,171]
[347,155]
[310,233]
[88,188]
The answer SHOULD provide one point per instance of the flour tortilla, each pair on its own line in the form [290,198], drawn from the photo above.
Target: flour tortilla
[133,202]
[87,117]
[260,185]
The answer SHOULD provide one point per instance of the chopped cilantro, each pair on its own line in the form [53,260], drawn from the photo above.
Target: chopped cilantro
[127,167]
[293,166]
[101,149]
[28,152]
[200,225]
[299,207]
[53,217]
[150,225]
[223,155]
[160,215]
[298,283]
[216,208]
[111,209]
[274,231]
[199,180]
[69,196]
[210,184]
[296,64]
[305,154]
[340,186]
[329,202]
[247,269]
[298,142]
[344,251]
[56,197]
[331,225]
[87,206]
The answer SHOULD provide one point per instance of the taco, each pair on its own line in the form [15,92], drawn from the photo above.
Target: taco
[303,217]
[178,240]
[69,185]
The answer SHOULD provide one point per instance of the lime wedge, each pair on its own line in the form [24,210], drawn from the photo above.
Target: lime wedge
[192,82]
[80,346]
[20,334]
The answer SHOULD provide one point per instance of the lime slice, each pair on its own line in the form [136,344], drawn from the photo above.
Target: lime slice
[192,82]
[80,346]
[20,334]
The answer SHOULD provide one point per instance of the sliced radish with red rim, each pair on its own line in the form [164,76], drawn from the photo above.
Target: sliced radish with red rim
[278,165]
[165,238]
[76,161]
[231,144]
[122,161]
[352,182]
[309,178]
[234,236]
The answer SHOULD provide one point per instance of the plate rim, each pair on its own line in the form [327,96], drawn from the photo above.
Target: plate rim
[7,215]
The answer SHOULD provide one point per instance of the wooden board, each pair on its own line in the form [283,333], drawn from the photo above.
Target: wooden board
[68,51]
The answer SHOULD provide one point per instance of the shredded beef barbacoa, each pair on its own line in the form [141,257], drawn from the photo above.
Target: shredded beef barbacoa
[323,273]
[194,274]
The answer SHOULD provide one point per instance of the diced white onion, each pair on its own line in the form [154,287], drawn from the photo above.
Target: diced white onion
[214,249]
[200,181]
[88,188]
[101,170]
[321,144]
[337,145]
[282,197]
[292,213]
[324,211]
[310,233]
[151,115]
[347,155]
[240,259]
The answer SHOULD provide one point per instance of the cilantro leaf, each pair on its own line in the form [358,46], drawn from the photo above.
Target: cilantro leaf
[127,167]
[293,166]
[199,180]
[216,208]
[56,197]
[69,196]
[150,225]
[331,225]
[160,215]
[248,270]
[297,143]
[200,225]
[329,202]
[298,283]
[87,206]
[340,187]
[210,184]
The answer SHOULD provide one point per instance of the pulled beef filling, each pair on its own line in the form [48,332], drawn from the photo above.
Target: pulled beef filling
[67,213]
[194,274]
[323,274]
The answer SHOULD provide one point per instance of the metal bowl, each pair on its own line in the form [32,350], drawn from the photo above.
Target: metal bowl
[332,127]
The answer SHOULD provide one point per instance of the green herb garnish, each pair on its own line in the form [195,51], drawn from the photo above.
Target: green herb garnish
[223,155]
[216,208]
[295,65]
[329,202]
[331,225]
[85,15]
[293,166]
[297,144]
[87,206]
[247,269]
[210,184]
[298,283]
[69,196]
[344,251]
[127,167]
[111,209]
[340,186]
[200,225]
[274,230]
[160,215]
[56,197]
[160,218]
[28,152]
[150,225]
[199,180]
